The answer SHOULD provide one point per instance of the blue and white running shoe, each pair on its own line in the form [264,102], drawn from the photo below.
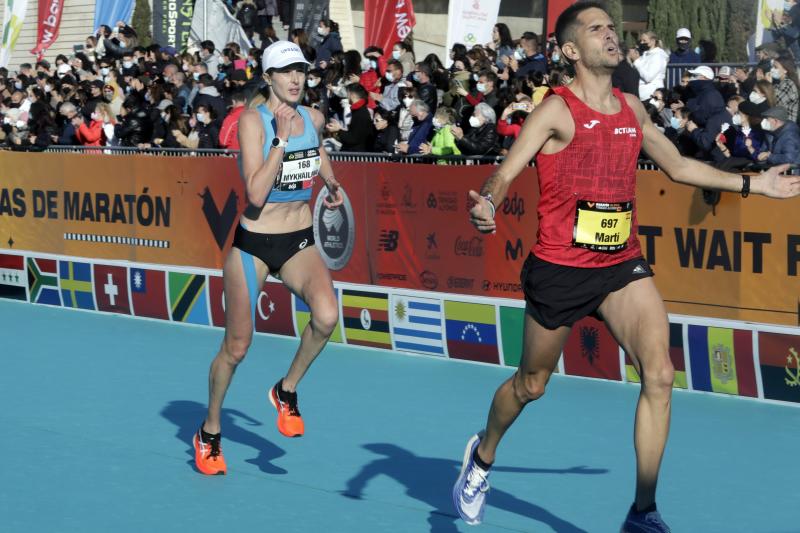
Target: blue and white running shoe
[469,492]
[644,523]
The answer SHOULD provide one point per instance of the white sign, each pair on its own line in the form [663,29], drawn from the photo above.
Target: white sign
[470,22]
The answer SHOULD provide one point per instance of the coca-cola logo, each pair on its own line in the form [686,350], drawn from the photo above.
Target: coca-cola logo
[468,247]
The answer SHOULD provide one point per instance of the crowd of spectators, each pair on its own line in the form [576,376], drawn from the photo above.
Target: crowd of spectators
[113,92]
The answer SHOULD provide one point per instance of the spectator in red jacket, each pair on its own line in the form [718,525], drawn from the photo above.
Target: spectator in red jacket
[91,134]
[229,134]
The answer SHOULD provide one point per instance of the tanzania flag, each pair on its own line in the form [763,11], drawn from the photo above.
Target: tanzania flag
[417,324]
[148,293]
[512,322]
[676,355]
[591,351]
[188,298]
[13,281]
[722,360]
[302,316]
[76,284]
[471,331]
[779,359]
[43,281]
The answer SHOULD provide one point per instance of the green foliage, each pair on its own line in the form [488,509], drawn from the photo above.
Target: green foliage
[143,22]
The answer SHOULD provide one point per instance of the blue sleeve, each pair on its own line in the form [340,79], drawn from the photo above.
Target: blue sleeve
[789,151]
[419,137]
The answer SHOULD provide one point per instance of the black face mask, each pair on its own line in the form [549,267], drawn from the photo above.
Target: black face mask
[643,48]
[683,46]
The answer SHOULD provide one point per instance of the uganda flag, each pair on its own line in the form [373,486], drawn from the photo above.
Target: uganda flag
[302,316]
[43,281]
[471,331]
[12,277]
[366,318]
[722,360]
[75,279]
[676,355]
[188,298]
[779,359]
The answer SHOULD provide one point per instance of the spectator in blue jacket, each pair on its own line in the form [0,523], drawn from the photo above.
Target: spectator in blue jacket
[684,53]
[422,129]
[331,43]
[783,137]
[744,141]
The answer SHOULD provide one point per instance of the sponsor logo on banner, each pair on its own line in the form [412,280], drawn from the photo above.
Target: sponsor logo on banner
[148,293]
[75,280]
[43,281]
[431,247]
[334,231]
[417,324]
[471,331]
[387,204]
[302,315]
[111,289]
[216,299]
[676,355]
[514,206]
[468,246]
[460,283]
[274,310]
[514,251]
[407,203]
[429,280]
[220,221]
[13,280]
[388,240]
[188,298]
[591,351]
[779,361]
[390,276]
[366,318]
[722,360]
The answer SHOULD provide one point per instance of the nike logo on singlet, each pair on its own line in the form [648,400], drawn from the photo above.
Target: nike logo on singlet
[591,124]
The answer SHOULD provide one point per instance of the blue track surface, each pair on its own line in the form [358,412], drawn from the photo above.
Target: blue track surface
[98,413]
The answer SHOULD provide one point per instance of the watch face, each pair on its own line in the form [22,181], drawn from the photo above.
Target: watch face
[276,142]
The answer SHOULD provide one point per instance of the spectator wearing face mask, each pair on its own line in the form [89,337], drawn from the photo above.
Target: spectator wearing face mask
[331,42]
[785,82]
[402,52]
[135,127]
[229,133]
[108,119]
[210,58]
[426,91]
[482,138]
[68,111]
[486,90]
[421,132]
[405,121]
[626,77]
[527,57]
[204,123]
[386,133]
[709,113]
[112,95]
[744,141]
[787,27]
[658,101]
[513,117]
[389,100]
[683,52]
[209,97]
[443,141]
[358,136]
[88,134]
[651,64]
[783,137]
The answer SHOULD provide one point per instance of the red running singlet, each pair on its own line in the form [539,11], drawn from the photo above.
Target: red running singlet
[587,209]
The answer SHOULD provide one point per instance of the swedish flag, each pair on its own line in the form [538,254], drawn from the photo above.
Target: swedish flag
[76,284]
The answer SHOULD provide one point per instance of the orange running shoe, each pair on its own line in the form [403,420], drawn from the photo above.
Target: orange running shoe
[289,421]
[208,454]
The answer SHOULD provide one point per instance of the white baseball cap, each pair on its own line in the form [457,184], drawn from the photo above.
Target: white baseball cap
[683,33]
[704,71]
[282,54]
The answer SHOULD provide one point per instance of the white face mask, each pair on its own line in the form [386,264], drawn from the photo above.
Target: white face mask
[737,119]
[474,121]
[201,117]
[95,116]
[104,71]
[373,64]
[127,64]
[396,54]
[165,117]
[481,87]
[757,98]
[365,64]
[437,123]
[475,77]
[766,125]
[390,77]
[196,76]
[407,102]
[21,124]
[47,88]
[519,53]
[322,31]
[312,82]
[185,67]
[775,73]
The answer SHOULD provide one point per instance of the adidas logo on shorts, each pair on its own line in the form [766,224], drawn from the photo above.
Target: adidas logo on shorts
[639,269]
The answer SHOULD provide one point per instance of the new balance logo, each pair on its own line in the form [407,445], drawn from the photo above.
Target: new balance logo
[639,269]
[387,242]
[591,124]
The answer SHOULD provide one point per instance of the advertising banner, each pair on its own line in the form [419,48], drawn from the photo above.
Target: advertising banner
[49,16]
[172,22]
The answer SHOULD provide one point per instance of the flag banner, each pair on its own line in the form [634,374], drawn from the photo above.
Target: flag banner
[13,17]
[512,322]
[43,281]
[13,281]
[172,22]
[779,361]
[216,300]
[676,355]
[148,293]
[274,310]
[306,15]
[365,315]
[188,298]
[109,12]
[417,324]
[592,351]
[302,316]
[211,21]
[75,280]
[386,23]
[471,331]
[722,360]
[49,22]
[111,289]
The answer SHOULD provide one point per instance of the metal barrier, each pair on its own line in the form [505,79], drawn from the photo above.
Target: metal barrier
[676,70]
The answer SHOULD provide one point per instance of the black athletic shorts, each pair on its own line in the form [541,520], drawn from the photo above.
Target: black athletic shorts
[274,249]
[559,295]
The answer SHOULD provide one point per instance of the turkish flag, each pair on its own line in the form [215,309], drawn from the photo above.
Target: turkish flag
[386,22]
[111,289]
[274,310]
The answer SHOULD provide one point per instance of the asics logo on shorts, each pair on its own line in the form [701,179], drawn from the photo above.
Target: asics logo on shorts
[591,124]
[303,244]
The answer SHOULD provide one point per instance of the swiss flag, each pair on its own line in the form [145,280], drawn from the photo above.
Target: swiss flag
[217,300]
[148,293]
[111,289]
[274,310]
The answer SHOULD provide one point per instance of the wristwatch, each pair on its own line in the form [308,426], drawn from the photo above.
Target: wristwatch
[277,142]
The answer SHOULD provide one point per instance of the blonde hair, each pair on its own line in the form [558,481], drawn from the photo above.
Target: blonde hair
[652,35]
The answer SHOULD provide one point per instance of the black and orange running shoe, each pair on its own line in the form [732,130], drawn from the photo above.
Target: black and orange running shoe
[289,421]
[208,453]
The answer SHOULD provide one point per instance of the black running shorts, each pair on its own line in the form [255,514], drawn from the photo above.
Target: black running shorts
[274,249]
[559,295]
